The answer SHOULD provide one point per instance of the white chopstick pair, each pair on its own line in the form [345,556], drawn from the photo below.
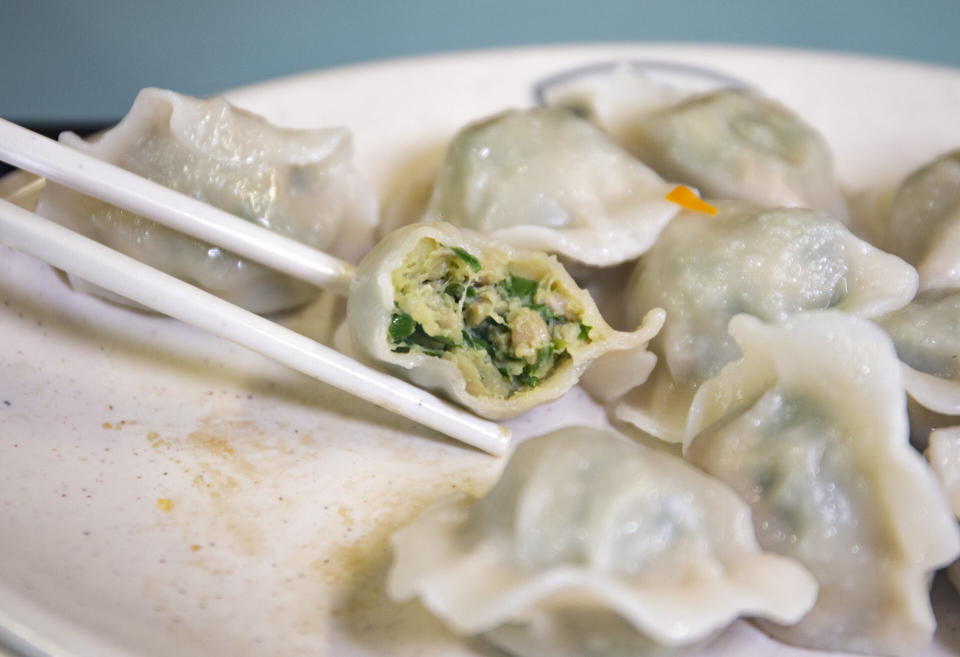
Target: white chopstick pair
[90,260]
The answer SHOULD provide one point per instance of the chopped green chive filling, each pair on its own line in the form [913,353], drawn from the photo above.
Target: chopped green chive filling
[471,261]
[455,290]
[516,286]
[401,326]
[509,331]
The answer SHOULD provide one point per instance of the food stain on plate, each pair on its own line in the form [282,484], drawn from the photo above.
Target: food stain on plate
[247,489]
[356,570]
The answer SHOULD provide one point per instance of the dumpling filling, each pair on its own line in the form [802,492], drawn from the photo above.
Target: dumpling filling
[506,325]
[498,329]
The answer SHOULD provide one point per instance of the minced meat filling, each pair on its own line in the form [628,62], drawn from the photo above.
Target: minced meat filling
[505,331]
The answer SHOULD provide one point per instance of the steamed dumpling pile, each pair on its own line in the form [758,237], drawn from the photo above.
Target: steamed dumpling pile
[766,370]
[592,545]
[299,183]
[799,500]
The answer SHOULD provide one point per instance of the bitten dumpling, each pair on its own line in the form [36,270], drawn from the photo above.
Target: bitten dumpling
[926,334]
[498,329]
[770,263]
[548,180]
[299,183]
[736,144]
[593,545]
[921,223]
[810,428]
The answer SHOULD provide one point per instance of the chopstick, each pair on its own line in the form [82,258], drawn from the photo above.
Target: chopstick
[88,175]
[86,258]
[90,260]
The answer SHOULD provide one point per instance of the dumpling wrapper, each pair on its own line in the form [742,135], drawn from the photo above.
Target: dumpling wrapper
[810,428]
[770,263]
[736,144]
[613,96]
[373,302]
[944,457]
[926,334]
[920,222]
[299,183]
[548,180]
[592,544]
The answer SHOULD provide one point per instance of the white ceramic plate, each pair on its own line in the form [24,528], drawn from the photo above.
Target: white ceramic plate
[166,493]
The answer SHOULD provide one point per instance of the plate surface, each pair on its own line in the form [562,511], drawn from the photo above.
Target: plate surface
[167,493]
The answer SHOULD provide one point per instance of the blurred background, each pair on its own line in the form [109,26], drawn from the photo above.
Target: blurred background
[75,62]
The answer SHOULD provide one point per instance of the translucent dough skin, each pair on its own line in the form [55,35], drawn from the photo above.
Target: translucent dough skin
[591,544]
[926,334]
[372,303]
[810,428]
[923,225]
[770,263]
[944,457]
[734,144]
[299,183]
[548,180]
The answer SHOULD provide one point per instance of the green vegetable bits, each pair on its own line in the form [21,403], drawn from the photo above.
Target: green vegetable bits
[471,260]
[521,328]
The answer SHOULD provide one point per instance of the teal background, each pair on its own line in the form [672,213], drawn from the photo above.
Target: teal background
[85,61]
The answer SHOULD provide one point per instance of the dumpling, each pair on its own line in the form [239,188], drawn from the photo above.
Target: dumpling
[921,223]
[926,334]
[735,144]
[810,428]
[498,329]
[546,179]
[729,143]
[590,544]
[299,183]
[770,263]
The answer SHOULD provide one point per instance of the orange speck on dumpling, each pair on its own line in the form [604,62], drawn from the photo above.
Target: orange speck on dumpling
[687,198]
